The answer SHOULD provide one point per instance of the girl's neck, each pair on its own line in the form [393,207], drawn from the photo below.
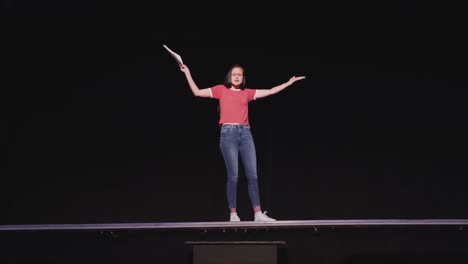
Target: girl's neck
[235,88]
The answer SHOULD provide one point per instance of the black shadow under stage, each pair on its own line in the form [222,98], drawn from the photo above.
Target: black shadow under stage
[313,241]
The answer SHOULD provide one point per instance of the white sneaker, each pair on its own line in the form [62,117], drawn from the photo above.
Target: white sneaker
[234,218]
[262,217]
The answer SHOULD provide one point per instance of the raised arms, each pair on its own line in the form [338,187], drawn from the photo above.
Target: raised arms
[259,94]
[193,86]
[267,92]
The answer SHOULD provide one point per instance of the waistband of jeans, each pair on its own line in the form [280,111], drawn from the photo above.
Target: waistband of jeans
[223,125]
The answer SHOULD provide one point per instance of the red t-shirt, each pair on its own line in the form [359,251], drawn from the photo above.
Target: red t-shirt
[233,104]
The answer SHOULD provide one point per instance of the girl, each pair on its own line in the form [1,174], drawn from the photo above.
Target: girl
[235,137]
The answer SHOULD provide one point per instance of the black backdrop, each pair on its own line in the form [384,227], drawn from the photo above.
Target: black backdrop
[100,125]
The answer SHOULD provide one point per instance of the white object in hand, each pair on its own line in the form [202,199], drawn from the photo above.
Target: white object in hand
[175,55]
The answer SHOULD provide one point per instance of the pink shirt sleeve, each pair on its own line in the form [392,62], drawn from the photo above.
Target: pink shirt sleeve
[216,91]
[251,94]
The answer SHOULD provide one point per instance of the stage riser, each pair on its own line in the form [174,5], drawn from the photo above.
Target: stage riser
[326,245]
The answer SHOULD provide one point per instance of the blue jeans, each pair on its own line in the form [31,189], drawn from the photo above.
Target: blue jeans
[235,140]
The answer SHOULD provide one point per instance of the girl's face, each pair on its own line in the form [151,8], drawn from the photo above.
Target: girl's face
[237,76]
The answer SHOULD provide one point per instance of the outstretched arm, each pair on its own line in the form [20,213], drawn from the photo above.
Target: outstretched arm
[193,86]
[267,92]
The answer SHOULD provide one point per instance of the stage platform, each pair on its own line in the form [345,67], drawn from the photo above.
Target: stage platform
[290,224]
[336,241]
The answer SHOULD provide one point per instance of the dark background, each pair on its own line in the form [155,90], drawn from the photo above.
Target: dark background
[100,125]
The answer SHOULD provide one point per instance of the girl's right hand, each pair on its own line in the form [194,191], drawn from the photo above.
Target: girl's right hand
[184,68]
